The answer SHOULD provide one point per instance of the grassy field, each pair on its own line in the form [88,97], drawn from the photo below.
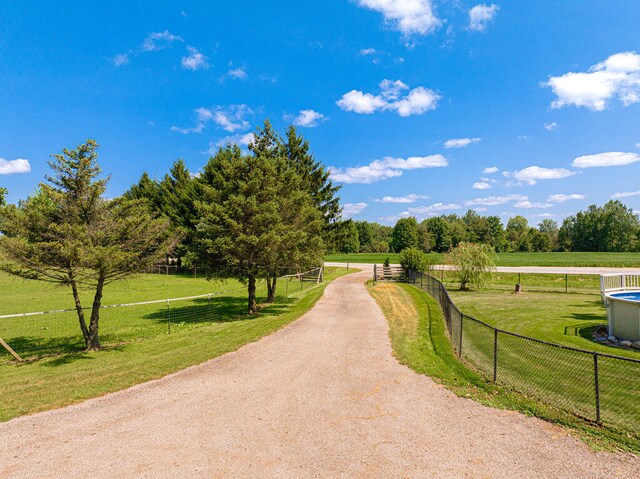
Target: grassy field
[21,295]
[419,340]
[567,319]
[63,379]
[612,260]
[556,375]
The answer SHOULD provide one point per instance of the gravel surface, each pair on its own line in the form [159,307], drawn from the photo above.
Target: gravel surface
[321,398]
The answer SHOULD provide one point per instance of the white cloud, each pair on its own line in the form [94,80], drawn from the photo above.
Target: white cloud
[616,77]
[550,126]
[480,209]
[532,174]
[625,194]
[612,158]
[308,118]
[460,142]
[524,137]
[358,102]
[561,198]
[410,198]
[638,145]
[352,209]
[241,139]
[495,200]
[159,40]
[238,73]
[195,60]
[416,102]
[490,169]
[411,17]
[120,59]
[368,51]
[528,204]
[388,167]
[434,208]
[543,215]
[481,185]
[10,167]
[230,118]
[481,15]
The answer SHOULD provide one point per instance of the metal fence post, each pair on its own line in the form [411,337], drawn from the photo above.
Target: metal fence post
[596,385]
[168,317]
[460,344]
[495,355]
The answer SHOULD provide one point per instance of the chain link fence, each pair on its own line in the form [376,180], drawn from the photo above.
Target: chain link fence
[599,387]
[532,281]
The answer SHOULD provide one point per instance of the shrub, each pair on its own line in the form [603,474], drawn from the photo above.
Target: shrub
[473,263]
[386,262]
[415,259]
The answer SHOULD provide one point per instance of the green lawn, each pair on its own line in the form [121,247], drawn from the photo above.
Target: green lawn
[532,282]
[560,318]
[419,340]
[558,376]
[147,352]
[21,296]
[612,260]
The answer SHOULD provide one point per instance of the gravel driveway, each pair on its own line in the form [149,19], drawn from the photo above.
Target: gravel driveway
[321,398]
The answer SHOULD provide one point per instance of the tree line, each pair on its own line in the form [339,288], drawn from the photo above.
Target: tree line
[612,227]
[247,215]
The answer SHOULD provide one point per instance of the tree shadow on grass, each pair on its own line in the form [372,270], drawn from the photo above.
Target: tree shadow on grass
[588,316]
[68,349]
[216,310]
[29,347]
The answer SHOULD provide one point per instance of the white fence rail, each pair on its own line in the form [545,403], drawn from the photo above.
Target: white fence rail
[619,282]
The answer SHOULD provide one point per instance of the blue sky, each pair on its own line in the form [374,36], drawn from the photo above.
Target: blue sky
[420,107]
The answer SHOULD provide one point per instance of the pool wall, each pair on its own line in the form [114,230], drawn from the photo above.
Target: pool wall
[623,318]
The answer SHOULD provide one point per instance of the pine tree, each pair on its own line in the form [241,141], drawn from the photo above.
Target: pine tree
[68,233]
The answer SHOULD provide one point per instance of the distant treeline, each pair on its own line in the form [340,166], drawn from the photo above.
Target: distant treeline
[611,227]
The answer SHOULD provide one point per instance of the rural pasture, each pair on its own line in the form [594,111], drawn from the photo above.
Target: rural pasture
[610,260]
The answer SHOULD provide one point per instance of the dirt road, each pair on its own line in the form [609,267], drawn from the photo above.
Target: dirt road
[321,398]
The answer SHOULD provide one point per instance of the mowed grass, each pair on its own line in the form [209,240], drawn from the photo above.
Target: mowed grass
[64,379]
[555,375]
[22,296]
[611,260]
[566,319]
[419,340]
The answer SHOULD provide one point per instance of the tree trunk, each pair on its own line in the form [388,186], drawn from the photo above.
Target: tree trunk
[79,310]
[93,341]
[271,288]
[252,306]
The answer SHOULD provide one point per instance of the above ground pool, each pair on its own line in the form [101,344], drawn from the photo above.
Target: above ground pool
[627,295]
[623,314]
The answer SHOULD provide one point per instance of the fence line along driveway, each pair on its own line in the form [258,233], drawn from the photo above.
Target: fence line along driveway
[322,397]
[585,270]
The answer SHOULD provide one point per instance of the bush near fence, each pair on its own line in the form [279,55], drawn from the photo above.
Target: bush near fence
[598,387]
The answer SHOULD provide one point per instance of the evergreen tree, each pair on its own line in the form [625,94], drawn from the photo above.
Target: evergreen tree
[68,233]
[255,216]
